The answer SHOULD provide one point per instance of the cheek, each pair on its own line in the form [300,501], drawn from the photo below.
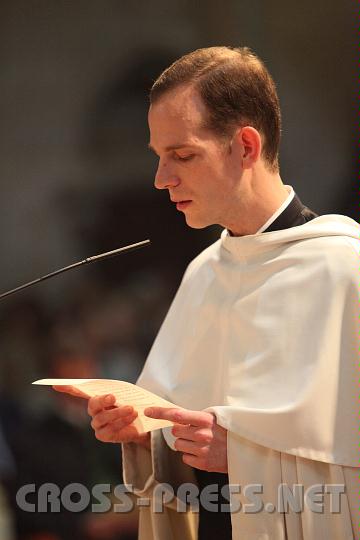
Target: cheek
[213,172]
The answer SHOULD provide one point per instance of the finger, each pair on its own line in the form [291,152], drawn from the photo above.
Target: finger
[193,433]
[116,425]
[66,389]
[98,403]
[191,447]
[181,416]
[61,388]
[116,432]
[107,417]
[194,461]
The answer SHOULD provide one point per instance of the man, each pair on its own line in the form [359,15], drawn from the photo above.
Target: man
[259,346]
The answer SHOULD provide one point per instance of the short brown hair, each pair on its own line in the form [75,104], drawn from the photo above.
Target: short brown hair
[236,88]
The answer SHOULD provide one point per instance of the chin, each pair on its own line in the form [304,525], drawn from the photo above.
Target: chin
[196,223]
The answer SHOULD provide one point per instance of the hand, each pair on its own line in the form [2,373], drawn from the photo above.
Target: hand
[115,423]
[111,423]
[202,441]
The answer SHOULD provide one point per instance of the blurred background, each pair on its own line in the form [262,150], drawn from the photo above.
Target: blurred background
[76,179]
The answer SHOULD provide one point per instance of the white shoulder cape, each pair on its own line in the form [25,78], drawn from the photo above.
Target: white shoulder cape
[264,332]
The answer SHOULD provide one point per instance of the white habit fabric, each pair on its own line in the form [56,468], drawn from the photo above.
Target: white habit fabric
[264,333]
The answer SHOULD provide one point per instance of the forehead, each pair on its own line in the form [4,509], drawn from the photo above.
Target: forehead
[179,112]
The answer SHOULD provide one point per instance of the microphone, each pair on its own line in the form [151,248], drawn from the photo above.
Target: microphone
[94,258]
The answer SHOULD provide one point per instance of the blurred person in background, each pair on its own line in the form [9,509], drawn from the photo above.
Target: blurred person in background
[96,331]
[57,447]
[260,343]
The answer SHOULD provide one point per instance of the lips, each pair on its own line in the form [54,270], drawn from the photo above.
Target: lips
[182,205]
[178,200]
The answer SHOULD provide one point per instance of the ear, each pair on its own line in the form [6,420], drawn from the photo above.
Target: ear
[251,145]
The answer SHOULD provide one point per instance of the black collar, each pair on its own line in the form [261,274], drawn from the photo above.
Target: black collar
[296,213]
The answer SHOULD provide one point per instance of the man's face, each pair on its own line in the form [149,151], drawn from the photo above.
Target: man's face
[197,167]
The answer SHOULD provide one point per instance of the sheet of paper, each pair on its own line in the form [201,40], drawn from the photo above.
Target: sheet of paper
[125,394]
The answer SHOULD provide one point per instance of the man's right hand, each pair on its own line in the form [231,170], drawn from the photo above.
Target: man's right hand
[110,422]
[113,423]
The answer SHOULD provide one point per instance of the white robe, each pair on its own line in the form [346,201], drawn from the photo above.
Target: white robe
[264,332]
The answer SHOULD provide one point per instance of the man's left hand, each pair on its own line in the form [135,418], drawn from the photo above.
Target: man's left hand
[202,441]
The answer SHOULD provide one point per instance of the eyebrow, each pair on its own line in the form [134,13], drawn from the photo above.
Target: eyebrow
[171,147]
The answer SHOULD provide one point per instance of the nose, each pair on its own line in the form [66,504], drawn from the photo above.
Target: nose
[165,178]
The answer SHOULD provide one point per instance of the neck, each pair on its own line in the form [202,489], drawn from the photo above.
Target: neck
[258,198]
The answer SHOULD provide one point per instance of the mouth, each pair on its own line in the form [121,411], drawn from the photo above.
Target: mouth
[182,205]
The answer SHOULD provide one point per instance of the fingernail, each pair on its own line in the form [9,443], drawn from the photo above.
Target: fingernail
[128,409]
[108,399]
[148,411]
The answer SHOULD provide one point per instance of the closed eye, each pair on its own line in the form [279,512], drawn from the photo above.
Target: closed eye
[184,158]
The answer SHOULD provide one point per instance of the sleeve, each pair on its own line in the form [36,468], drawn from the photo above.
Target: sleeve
[145,469]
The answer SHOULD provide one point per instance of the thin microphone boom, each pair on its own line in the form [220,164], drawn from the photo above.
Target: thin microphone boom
[89,260]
